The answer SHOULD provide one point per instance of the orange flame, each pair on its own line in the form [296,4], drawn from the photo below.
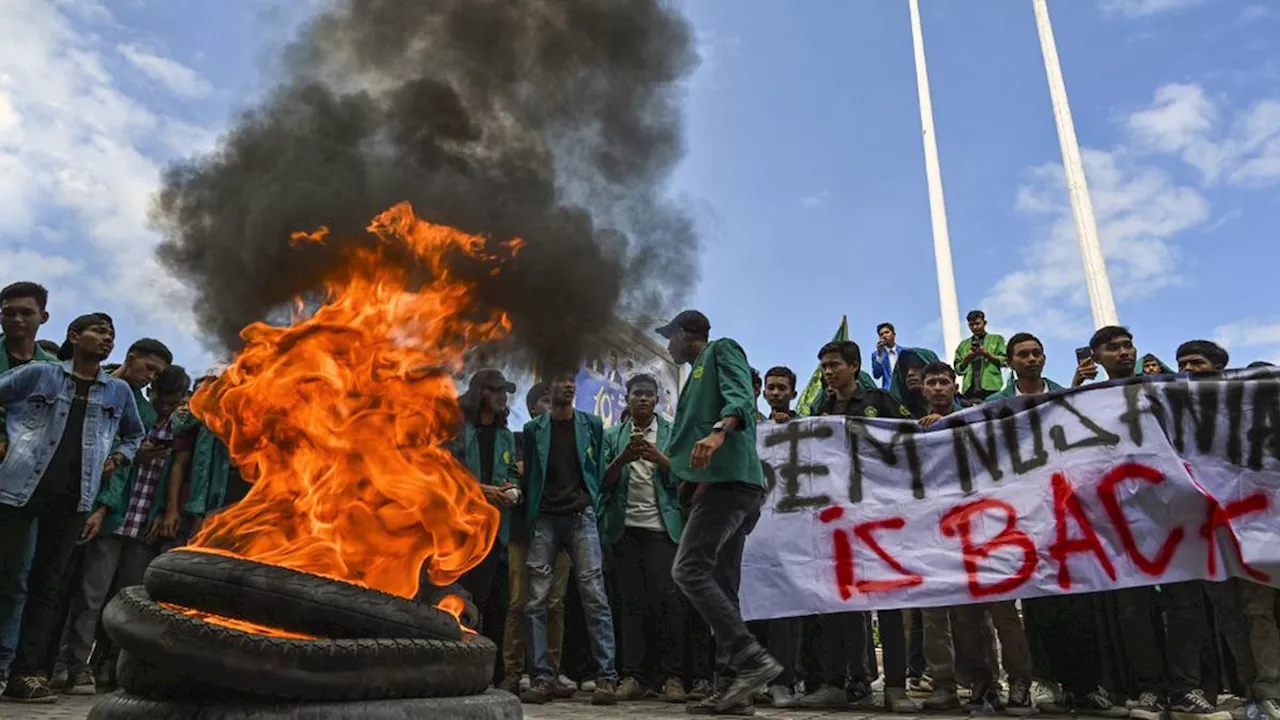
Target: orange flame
[338,420]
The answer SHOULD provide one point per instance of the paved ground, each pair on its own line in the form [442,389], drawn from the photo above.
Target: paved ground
[76,708]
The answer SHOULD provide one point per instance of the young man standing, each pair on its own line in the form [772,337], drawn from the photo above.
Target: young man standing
[488,449]
[1026,359]
[50,475]
[780,392]
[713,456]
[22,312]
[563,466]
[886,357]
[980,359]
[844,638]
[967,620]
[640,526]
[129,508]
[1168,681]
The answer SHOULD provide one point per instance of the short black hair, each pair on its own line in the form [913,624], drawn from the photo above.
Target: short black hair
[755,377]
[974,315]
[937,367]
[173,379]
[539,390]
[884,325]
[781,371]
[25,289]
[1106,334]
[1212,351]
[151,346]
[1021,338]
[848,350]
[640,378]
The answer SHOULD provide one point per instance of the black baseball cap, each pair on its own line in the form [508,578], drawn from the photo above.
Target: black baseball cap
[690,321]
[492,379]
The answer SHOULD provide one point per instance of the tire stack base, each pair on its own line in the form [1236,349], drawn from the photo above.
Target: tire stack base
[493,705]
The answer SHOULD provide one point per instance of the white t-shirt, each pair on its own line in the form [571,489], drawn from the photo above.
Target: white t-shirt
[642,494]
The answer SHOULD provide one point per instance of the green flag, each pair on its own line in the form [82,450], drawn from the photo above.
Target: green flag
[813,390]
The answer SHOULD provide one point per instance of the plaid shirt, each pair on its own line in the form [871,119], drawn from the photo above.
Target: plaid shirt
[144,487]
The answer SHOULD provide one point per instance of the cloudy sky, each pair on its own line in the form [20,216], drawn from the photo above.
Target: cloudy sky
[804,162]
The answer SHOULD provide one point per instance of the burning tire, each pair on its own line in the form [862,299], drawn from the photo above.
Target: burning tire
[290,600]
[174,655]
[493,705]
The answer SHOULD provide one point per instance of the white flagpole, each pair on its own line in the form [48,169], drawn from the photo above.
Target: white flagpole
[937,204]
[1101,299]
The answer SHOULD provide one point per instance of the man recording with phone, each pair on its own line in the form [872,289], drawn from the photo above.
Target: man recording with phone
[980,360]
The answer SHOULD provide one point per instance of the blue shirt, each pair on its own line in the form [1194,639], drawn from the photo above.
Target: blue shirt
[37,398]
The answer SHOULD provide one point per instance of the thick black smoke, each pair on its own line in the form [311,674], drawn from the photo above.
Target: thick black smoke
[557,121]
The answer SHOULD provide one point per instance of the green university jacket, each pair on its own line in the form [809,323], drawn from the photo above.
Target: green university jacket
[588,431]
[992,372]
[210,468]
[1011,390]
[114,495]
[504,464]
[613,501]
[719,386]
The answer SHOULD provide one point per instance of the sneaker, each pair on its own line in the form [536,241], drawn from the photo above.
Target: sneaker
[29,689]
[701,690]
[673,691]
[1148,706]
[1098,704]
[511,684]
[1047,697]
[539,693]
[1238,708]
[877,685]
[755,668]
[827,697]
[525,683]
[629,689]
[1192,705]
[986,697]
[919,687]
[606,692]
[82,683]
[58,680]
[714,690]
[1268,709]
[588,686]
[780,696]
[1020,704]
[896,701]
[859,694]
[564,688]
[942,700]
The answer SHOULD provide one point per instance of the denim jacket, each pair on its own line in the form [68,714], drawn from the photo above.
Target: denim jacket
[37,398]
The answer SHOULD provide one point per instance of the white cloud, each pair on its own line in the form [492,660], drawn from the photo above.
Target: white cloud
[1142,8]
[173,75]
[72,149]
[1185,121]
[816,200]
[1139,210]
[1250,339]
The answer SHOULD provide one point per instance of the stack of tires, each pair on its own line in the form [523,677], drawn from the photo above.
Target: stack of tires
[346,651]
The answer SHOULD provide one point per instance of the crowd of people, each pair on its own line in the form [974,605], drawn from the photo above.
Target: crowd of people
[617,562]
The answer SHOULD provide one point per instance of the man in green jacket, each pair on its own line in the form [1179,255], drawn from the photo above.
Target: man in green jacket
[640,524]
[488,449]
[713,457]
[980,360]
[1026,359]
[563,470]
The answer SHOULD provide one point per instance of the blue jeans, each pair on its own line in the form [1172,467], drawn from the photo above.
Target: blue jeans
[10,626]
[578,536]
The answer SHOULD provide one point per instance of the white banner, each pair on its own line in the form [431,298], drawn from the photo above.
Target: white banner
[1109,486]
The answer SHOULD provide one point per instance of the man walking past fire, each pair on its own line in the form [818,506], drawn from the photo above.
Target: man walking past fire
[713,456]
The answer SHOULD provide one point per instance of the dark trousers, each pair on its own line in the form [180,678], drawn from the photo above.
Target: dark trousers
[58,525]
[652,610]
[893,643]
[708,565]
[916,666]
[482,582]
[1177,669]
[841,653]
[1063,634]
[700,647]
[781,637]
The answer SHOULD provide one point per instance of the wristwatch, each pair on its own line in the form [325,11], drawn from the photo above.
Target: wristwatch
[720,427]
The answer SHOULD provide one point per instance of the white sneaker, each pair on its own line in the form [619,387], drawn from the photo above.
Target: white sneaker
[877,685]
[525,683]
[588,686]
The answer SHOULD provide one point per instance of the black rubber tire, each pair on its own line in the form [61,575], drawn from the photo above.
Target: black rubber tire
[493,705]
[290,600]
[204,657]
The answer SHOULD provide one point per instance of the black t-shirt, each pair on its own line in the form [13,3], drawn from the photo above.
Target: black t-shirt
[485,436]
[62,477]
[566,492]
[13,361]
